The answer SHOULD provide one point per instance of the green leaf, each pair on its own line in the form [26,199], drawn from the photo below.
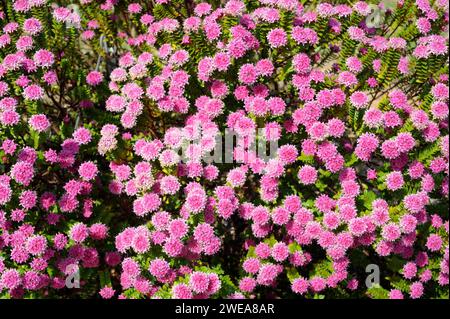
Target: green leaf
[377,292]
[395,263]
[292,274]
[294,246]
[367,198]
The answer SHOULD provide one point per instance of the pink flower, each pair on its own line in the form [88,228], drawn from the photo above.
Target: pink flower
[267,274]
[94,78]
[36,245]
[302,63]
[348,79]
[391,232]
[357,226]
[39,122]
[317,284]
[10,279]
[391,119]
[98,231]
[408,223]
[22,172]
[159,268]
[288,154]
[438,165]
[134,8]
[300,286]
[394,181]
[440,91]
[169,185]
[247,74]
[43,58]
[32,26]
[277,38]
[106,292]
[304,35]
[439,110]
[50,77]
[115,103]
[221,61]
[195,202]
[409,270]
[247,284]
[276,105]
[415,202]
[82,136]
[373,174]
[405,142]
[28,199]
[280,216]
[251,265]
[5,193]
[79,232]
[178,228]
[8,118]
[280,252]
[434,242]
[236,177]
[33,92]
[202,9]
[389,149]
[307,175]
[354,64]
[262,250]
[419,119]
[181,291]
[199,282]
[359,99]
[318,131]
[395,294]
[367,144]
[264,67]
[416,290]
[88,170]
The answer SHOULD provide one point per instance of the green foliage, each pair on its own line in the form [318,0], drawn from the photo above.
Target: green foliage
[377,292]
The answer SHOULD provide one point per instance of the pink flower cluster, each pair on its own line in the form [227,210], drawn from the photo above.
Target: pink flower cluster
[106,163]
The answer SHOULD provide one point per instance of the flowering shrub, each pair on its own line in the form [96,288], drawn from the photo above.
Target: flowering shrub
[108,110]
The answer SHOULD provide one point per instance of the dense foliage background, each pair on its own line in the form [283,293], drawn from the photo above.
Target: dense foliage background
[97,97]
